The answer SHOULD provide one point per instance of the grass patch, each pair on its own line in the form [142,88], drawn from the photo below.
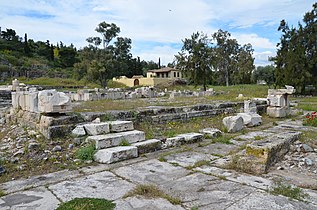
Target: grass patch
[151,191]
[198,164]
[86,152]
[124,142]
[288,191]
[87,204]
[2,193]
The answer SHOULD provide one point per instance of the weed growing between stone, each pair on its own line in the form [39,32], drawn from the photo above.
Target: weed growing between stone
[222,139]
[124,142]
[86,153]
[198,164]
[288,191]
[87,204]
[151,191]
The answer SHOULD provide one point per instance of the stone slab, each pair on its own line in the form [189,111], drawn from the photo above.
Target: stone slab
[264,201]
[211,132]
[94,129]
[116,154]
[187,159]
[114,139]
[120,126]
[173,142]
[147,146]
[192,137]
[151,172]
[217,149]
[79,131]
[251,119]
[36,199]
[100,185]
[206,192]
[255,135]
[145,203]
[233,123]
[35,181]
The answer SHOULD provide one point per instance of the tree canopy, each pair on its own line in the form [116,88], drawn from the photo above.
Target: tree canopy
[296,59]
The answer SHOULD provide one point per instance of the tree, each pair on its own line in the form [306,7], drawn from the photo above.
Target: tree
[227,50]
[265,73]
[108,32]
[196,59]
[296,62]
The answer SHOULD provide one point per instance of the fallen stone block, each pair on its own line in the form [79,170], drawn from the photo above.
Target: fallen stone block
[251,119]
[233,123]
[147,146]
[79,131]
[116,154]
[115,139]
[173,142]
[192,137]
[120,126]
[51,101]
[211,132]
[262,154]
[97,128]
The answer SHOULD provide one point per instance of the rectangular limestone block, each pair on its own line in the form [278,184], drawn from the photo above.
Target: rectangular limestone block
[268,151]
[277,112]
[192,137]
[116,154]
[94,129]
[147,146]
[115,139]
[120,126]
[173,142]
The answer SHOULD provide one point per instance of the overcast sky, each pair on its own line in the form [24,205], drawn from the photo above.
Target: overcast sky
[156,27]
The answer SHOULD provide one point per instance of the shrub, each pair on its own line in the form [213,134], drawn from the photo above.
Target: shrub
[311,120]
[86,153]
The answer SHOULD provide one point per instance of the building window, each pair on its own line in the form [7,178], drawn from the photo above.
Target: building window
[177,74]
[162,75]
[167,75]
[174,74]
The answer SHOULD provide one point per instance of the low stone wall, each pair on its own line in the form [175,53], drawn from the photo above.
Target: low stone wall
[5,98]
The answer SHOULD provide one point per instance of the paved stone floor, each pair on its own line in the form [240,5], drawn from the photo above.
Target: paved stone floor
[202,187]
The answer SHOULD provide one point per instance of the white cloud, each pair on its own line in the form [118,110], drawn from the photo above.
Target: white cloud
[256,41]
[262,58]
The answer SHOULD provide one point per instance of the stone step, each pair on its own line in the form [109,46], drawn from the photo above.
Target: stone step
[94,129]
[115,139]
[116,154]
[120,126]
[148,146]
[192,137]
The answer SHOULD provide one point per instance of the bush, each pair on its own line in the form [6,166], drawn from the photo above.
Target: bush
[86,153]
[87,204]
[311,120]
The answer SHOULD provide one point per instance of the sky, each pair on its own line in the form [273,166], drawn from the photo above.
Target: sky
[156,27]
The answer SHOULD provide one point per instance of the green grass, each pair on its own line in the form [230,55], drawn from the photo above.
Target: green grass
[288,191]
[2,193]
[56,82]
[86,152]
[124,142]
[151,191]
[87,204]
[198,164]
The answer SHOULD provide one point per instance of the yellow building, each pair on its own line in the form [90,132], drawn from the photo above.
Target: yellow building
[153,77]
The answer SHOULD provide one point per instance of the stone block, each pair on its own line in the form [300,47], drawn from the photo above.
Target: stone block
[233,123]
[251,119]
[79,131]
[147,146]
[51,101]
[116,154]
[94,129]
[265,153]
[173,142]
[192,137]
[249,107]
[120,126]
[277,112]
[114,139]
[211,132]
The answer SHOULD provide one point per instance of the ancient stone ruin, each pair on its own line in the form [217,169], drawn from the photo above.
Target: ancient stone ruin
[278,101]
